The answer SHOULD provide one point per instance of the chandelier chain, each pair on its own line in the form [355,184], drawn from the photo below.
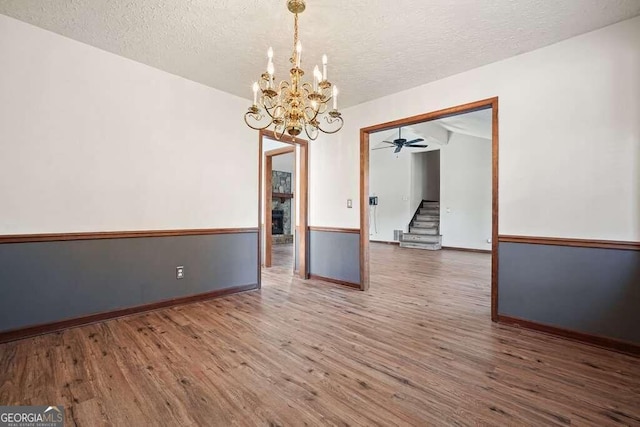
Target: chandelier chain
[295,31]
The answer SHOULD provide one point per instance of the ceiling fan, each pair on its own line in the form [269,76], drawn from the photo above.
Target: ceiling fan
[399,143]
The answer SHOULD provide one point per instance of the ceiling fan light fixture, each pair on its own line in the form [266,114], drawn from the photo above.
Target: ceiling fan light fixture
[400,142]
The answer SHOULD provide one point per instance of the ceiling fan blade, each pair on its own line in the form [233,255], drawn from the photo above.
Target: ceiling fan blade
[417,146]
[380,148]
[414,141]
[389,142]
[398,148]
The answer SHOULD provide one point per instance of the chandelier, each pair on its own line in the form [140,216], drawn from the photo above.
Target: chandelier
[293,106]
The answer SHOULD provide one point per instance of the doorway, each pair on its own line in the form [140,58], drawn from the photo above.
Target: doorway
[365,208]
[283,203]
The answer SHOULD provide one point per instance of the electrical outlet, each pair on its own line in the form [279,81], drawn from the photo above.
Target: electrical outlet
[349,203]
[180,272]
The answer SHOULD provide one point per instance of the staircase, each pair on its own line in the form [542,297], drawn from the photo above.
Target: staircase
[424,229]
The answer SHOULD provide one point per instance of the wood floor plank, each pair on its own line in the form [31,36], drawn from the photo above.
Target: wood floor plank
[417,349]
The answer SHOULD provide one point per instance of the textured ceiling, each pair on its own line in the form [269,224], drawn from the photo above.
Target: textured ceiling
[476,123]
[375,48]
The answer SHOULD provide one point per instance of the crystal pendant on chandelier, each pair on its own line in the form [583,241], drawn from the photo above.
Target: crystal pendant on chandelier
[295,106]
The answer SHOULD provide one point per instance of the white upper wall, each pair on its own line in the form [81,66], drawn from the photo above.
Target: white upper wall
[390,177]
[465,192]
[569,138]
[91,141]
[284,162]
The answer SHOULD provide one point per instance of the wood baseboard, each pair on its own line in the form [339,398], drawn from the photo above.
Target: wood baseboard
[336,281]
[482,251]
[384,243]
[45,328]
[595,340]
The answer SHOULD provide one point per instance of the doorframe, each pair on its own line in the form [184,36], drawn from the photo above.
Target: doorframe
[364,185]
[264,230]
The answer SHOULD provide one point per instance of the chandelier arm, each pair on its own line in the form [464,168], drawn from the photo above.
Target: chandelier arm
[264,104]
[323,107]
[306,86]
[284,85]
[269,113]
[277,134]
[307,117]
[312,138]
[337,119]
[250,114]
[273,101]
[269,109]
[278,111]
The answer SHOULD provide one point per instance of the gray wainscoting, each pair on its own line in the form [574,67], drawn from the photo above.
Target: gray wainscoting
[335,255]
[590,290]
[52,281]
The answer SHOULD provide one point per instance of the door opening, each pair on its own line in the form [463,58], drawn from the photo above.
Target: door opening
[283,203]
[399,144]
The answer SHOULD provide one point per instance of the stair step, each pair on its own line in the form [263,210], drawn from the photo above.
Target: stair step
[418,245]
[423,238]
[421,217]
[429,211]
[424,230]
[430,205]
[426,224]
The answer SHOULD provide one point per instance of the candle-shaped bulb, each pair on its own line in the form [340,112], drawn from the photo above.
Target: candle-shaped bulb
[298,53]
[316,78]
[255,93]
[269,56]
[335,97]
[324,67]
[270,72]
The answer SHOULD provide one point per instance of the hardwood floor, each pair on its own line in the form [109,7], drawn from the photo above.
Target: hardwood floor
[417,349]
[282,257]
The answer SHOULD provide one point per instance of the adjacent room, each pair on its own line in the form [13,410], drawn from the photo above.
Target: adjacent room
[430,184]
[303,212]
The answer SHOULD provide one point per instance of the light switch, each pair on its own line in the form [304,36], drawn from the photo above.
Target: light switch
[349,203]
